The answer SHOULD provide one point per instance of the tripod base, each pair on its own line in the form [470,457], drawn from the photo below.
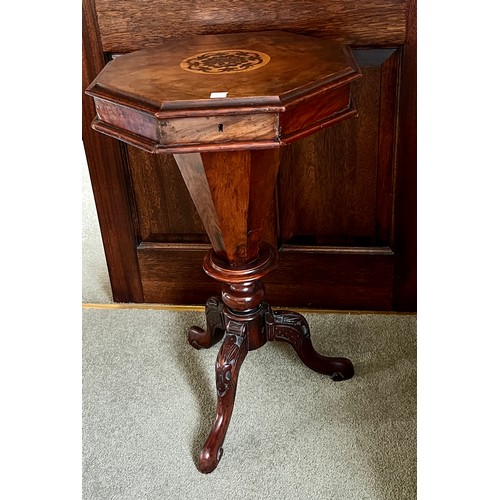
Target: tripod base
[239,328]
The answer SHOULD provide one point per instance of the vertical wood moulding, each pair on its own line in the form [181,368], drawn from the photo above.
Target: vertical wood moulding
[108,175]
[405,204]
[389,83]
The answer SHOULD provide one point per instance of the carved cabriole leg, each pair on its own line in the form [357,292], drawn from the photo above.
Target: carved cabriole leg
[244,315]
[214,332]
[227,367]
[292,327]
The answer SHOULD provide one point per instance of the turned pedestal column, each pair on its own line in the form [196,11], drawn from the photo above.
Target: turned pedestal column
[224,105]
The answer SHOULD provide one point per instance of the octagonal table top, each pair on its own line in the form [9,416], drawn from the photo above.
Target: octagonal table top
[251,78]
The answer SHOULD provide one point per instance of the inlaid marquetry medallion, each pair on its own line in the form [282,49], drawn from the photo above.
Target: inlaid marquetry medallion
[225,61]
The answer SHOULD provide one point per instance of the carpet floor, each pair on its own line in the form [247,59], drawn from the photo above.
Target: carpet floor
[149,400]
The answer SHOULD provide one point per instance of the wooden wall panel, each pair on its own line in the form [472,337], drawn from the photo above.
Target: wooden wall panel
[334,199]
[332,279]
[405,209]
[108,170]
[389,82]
[328,183]
[166,212]
[331,191]
[354,246]
[172,274]
[130,24]
[336,186]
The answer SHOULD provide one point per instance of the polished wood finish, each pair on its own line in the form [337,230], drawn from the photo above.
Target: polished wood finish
[129,25]
[326,208]
[249,323]
[203,338]
[227,368]
[108,174]
[153,237]
[222,185]
[150,100]
[292,328]
[351,279]
[232,188]
[405,223]
[305,65]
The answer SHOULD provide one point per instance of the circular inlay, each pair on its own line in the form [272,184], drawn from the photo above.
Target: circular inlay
[225,61]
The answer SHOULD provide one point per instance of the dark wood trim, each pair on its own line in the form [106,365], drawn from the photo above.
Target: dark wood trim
[337,250]
[130,25]
[405,209]
[350,280]
[387,139]
[107,168]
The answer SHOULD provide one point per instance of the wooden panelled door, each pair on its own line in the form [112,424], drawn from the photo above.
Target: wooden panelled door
[344,215]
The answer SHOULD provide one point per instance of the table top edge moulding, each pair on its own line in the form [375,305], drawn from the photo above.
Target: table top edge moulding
[224,105]
[154,113]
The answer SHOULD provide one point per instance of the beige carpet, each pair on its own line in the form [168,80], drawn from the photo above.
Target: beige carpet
[149,400]
[95,280]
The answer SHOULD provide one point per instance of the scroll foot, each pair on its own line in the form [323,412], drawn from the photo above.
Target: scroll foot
[203,339]
[227,367]
[293,328]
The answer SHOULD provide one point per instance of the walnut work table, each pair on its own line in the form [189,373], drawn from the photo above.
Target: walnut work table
[224,105]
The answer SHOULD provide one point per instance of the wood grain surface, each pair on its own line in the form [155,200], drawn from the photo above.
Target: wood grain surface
[149,202]
[130,25]
[331,191]
[216,129]
[335,191]
[405,205]
[108,168]
[148,98]
[165,210]
[233,194]
[172,275]
[155,80]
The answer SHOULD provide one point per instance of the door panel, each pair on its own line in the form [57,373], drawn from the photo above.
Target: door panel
[131,25]
[333,219]
[165,209]
[336,186]
[344,201]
